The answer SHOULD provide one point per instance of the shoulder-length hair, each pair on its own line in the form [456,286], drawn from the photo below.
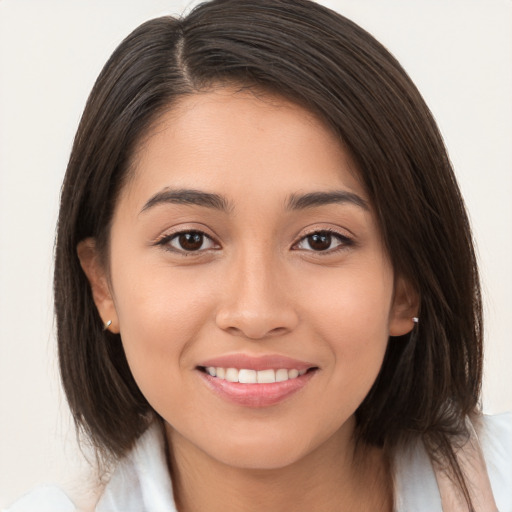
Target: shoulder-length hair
[430,380]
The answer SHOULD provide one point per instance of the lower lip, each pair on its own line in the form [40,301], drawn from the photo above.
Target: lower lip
[256,395]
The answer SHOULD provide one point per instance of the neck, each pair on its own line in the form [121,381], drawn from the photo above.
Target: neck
[334,477]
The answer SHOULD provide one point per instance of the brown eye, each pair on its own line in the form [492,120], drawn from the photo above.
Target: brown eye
[319,241]
[323,241]
[190,241]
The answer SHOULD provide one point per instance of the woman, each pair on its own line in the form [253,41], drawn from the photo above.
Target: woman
[255,284]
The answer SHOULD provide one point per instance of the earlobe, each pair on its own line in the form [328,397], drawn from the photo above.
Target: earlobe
[404,310]
[97,276]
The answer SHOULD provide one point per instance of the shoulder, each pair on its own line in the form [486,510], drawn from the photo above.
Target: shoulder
[495,432]
[414,480]
[46,498]
[495,435]
[141,480]
[416,485]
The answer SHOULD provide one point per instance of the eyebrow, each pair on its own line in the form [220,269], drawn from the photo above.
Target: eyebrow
[188,196]
[313,199]
[217,202]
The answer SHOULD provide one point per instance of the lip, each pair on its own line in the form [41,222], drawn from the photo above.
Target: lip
[256,395]
[264,362]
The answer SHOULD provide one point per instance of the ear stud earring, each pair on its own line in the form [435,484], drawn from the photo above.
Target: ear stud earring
[415,319]
[107,325]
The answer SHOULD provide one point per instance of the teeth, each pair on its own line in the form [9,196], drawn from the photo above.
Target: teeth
[293,374]
[266,376]
[281,375]
[232,375]
[245,376]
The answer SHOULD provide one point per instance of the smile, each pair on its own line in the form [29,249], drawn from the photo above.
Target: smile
[256,381]
[247,376]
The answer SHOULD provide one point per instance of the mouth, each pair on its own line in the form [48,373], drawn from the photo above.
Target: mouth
[249,376]
[255,381]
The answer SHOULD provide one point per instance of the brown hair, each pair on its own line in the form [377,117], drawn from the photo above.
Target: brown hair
[430,380]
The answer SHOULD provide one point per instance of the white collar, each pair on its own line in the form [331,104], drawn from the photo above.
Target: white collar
[141,481]
[415,481]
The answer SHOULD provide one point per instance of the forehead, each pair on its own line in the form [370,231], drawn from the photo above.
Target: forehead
[227,137]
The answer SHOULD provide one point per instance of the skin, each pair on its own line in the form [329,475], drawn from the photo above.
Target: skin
[255,286]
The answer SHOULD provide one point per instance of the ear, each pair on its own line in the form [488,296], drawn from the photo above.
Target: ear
[96,274]
[405,307]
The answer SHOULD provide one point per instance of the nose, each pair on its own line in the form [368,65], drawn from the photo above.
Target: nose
[257,300]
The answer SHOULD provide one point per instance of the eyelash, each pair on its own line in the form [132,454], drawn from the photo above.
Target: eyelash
[344,241]
[165,241]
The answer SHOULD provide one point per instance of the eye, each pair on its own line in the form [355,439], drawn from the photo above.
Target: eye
[188,241]
[323,241]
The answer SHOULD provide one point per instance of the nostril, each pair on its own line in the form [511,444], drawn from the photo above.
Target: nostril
[277,331]
[255,332]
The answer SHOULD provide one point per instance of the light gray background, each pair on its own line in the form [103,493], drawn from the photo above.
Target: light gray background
[459,53]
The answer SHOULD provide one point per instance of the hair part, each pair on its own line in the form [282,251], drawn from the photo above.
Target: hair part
[430,380]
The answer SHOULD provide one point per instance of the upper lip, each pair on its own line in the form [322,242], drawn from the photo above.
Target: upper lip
[264,362]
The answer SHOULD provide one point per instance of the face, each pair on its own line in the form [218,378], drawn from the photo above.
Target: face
[248,279]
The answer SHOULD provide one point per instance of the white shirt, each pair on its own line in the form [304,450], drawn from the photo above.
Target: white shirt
[141,482]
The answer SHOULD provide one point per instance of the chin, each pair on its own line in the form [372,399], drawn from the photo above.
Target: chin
[265,451]
[259,457]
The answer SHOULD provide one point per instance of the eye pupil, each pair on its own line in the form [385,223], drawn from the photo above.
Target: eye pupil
[191,241]
[320,241]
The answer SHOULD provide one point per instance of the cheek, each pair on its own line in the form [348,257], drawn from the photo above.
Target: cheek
[352,304]
[160,314]
[352,321]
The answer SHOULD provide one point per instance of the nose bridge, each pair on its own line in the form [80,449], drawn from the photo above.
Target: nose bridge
[256,303]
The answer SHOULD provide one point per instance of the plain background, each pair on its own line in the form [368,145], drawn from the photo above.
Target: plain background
[459,53]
